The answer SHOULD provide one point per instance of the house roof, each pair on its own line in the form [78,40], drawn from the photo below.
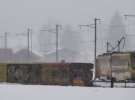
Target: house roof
[24,53]
[5,52]
[62,51]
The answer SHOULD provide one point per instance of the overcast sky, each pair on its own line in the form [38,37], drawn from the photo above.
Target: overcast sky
[18,15]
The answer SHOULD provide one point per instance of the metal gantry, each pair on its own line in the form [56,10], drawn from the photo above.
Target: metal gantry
[57,39]
[28,41]
[95,38]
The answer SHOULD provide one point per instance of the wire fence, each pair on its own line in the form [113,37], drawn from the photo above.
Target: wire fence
[116,84]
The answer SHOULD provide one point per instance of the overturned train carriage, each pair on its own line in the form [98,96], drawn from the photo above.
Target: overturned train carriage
[120,65]
[79,74]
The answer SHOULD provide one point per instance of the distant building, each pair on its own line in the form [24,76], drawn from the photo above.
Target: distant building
[64,54]
[6,55]
[22,56]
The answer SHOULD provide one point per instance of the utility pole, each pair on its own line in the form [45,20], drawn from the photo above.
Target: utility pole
[28,45]
[6,45]
[95,40]
[112,79]
[6,40]
[31,40]
[57,42]
[57,58]
[95,37]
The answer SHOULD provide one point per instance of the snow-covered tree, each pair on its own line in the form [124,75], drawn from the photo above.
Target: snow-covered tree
[70,39]
[47,38]
[117,30]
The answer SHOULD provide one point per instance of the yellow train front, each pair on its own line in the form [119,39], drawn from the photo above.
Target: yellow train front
[119,65]
[64,74]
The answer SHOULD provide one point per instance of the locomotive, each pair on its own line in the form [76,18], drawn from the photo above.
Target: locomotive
[76,74]
[119,65]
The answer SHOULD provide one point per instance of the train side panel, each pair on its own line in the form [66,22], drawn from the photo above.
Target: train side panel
[3,72]
[121,65]
[103,70]
[23,73]
[81,74]
[55,74]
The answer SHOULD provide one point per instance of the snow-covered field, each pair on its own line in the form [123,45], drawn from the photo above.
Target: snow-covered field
[39,92]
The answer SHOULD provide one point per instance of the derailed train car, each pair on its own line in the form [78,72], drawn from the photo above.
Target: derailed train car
[79,74]
[119,65]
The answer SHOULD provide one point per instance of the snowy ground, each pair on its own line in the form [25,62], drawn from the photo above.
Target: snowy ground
[39,92]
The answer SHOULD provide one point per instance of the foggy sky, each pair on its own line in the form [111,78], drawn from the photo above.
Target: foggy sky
[18,15]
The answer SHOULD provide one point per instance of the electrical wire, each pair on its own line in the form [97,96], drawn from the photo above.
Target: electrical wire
[117,26]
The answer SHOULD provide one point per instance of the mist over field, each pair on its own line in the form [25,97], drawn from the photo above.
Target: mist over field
[17,16]
[28,33]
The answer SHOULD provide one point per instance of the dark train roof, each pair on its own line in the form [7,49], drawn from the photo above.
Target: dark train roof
[108,53]
[90,65]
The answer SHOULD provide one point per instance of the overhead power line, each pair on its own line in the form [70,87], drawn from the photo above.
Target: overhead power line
[118,25]
[130,35]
